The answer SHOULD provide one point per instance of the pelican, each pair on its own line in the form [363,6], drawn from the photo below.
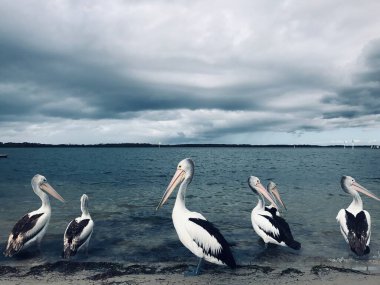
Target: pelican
[201,237]
[79,231]
[31,228]
[270,227]
[272,189]
[355,223]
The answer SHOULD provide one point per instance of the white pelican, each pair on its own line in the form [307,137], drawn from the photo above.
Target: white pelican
[79,231]
[355,223]
[270,227]
[272,189]
[194,231]
[31,228]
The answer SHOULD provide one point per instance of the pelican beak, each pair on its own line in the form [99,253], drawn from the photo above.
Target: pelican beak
[266,194]
[278,197]
[363,190]
[177,178]
[50,190]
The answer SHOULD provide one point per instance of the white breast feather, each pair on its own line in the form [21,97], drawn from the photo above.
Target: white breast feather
[367,215]
[341,219]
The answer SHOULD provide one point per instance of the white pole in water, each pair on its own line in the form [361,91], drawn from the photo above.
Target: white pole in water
[159,144]
[352,144]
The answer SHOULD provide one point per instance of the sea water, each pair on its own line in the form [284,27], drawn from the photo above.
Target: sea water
[125,186]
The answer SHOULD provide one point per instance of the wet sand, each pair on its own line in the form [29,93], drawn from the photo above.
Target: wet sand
[80,273]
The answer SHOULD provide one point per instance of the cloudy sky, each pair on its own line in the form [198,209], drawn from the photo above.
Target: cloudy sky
[257,72]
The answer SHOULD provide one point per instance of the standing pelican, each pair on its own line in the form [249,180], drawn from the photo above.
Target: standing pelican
[31,228]
[270,227]
[194,231]
[272,189]
[79,231]
[355,223]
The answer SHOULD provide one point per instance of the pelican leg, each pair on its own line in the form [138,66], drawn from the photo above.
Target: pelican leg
[199,266]
[86,250]
[197,270]
[39,248]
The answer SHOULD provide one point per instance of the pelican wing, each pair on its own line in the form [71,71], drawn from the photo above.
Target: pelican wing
[211,241]
[263,221]
[358,232]
[278,229]
[23,231]
[26,226]
[77,233]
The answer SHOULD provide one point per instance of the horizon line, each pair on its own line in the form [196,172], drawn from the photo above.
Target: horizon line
[33,144]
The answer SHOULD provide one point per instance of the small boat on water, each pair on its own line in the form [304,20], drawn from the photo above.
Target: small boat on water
[3,155]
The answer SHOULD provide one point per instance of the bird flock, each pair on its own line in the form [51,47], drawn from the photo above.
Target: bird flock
[31,228]
[197,234]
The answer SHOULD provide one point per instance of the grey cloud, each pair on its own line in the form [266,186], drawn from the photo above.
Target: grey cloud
[74,62]
[363,95]
[106,91]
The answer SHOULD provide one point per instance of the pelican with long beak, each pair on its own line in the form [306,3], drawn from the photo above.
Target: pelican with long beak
[201,237]
[31,228]
[270,227]
[78,232]
[272,189]
[355,223]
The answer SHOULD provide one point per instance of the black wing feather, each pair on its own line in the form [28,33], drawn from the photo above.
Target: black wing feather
[25,224]
[75,229]
[285,235]
[18,236]
[357,232]
[225,255]
[272,210]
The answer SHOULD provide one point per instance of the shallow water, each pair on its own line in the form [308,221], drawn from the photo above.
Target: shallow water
[126,184]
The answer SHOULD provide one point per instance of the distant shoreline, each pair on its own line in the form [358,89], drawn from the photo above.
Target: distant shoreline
[148,145]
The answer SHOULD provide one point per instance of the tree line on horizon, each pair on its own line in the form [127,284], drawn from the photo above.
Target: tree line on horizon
[29,144]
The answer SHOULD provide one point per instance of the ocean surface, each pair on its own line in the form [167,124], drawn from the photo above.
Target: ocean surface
[125,186]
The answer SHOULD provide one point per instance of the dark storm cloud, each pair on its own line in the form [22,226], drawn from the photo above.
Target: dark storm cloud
[40,79]
[52,78]
[41,82]
[52,81]
[218,69]
[362,97]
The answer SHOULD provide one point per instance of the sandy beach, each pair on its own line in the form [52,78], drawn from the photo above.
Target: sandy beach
[63,272]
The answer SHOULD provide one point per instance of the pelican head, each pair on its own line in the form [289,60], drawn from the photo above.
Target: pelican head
[350,186]
[185,170]
[84,201]
[39,182]
[257,188]
[84,204]
[272,188]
